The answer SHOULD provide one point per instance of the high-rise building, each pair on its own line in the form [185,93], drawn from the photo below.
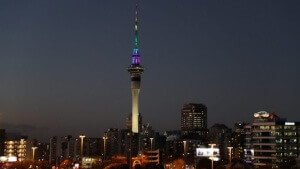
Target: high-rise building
[238,140]
[18,146]
[124,142]
[2,141]
[173,148]
[94,146]
[135,70]
[220,135]
[62,148]
[69,147]
[158,141]
[263,139]
[111,141]
[287,141]
[42,151]
[248,151]
[194,121]
[147,137]
[272,142]
[55,150]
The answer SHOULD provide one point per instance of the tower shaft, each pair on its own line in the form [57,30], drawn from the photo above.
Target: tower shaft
[135,110]
[135,74]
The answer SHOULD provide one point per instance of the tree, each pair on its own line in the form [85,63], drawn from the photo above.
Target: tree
[96,166]
[137,166]
[25,164]
[66,164]
[159,166]
[204,163]
[117,166]
[153,166]
[150,166]
[44,165]
[178,164]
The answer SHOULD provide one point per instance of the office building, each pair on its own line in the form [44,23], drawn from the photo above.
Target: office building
[2,141]
[220,135]
[274,140]
[94,147]
[42,152]
[194,121]
[55,150]
[238,140]
[18,146]
[247,149]
[124,142]
[111,141]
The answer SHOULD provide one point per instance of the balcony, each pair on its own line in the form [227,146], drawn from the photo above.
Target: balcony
[265,151]
[271,123]
[264,157]
[264,137]
[264,144]
[262,131]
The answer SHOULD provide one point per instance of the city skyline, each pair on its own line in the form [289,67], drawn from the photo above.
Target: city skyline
[58,60]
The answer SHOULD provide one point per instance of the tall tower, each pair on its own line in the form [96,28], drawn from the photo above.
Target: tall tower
[135,70]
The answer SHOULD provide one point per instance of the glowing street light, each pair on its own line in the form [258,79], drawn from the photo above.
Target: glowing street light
[229,148]
[184,147]
[151,142]
[104,147]
[33,152]
[212,155]
[81,147]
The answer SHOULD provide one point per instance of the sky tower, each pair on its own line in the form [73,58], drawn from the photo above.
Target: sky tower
[135,70]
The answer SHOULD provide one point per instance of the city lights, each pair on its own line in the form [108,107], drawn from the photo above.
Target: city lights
[221,91]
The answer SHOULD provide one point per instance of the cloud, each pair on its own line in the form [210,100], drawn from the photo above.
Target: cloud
[32,131]
[20,127]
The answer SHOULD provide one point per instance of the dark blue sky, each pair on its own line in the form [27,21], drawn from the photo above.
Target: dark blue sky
[63,63]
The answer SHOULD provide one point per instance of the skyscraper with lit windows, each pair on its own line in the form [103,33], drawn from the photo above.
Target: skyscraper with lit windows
[194,120]
[273,141]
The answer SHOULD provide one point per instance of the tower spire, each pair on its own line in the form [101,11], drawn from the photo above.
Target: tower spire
[135,55]
[136,37]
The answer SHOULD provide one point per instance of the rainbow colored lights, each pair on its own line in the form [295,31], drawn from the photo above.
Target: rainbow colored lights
[136,56]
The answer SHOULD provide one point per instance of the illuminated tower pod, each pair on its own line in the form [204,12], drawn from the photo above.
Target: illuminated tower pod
[135,70]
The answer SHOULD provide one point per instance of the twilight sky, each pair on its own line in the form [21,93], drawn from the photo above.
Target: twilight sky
[63,63]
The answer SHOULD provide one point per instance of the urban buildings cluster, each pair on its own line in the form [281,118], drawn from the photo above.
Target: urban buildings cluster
[267,142]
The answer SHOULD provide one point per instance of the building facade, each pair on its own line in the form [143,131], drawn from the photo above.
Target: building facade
[273,141]
[238,140]
[247,148]
[18,146]
[2,141]
[220,135]
[68,147]
[194,121]
[111,141]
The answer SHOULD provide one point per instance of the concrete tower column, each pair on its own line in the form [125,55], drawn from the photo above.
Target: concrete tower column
[135,110]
